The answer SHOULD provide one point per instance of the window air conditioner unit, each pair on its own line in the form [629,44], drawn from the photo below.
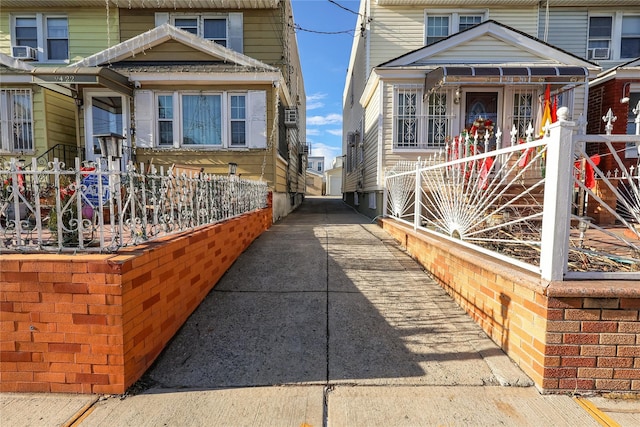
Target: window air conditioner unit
[290,117]
[352,138]
[600,53]
[24,53]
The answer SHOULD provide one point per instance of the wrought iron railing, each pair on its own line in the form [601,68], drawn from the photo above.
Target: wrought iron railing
[544,205]
[92,207]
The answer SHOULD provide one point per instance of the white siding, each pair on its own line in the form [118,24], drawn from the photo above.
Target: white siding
[371,134]
[487,49]
[525,20]
[394,32]
[567,30]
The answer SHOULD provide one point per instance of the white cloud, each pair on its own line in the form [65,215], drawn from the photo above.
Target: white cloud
[313,132]
[336,132]
[315,101]
[329,119]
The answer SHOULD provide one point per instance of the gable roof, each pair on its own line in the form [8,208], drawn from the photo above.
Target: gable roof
[161,34]
[494,32]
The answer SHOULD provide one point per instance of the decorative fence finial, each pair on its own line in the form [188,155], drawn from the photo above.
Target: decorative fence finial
[609,119]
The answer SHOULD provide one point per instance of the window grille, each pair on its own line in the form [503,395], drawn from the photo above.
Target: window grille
[524,110]
[438,120]
[16,120]
[406,134]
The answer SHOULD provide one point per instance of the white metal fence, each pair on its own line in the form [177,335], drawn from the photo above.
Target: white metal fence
[92,207]
[565,206]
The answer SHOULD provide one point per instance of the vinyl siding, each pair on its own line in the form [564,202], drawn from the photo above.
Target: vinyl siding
[371,133]
[525,20]
[394,32]
[475,51]
[60,119]
[567,29]
[171,51]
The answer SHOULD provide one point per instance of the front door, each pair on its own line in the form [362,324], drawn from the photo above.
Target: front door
[106,112]
[480,103]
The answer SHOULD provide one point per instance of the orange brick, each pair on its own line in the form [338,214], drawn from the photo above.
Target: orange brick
[563,326]
[595,372]
[64,348]
[581,314]
[32,387]
[632,374]
[59,357]
[66,388]
[612,385]
[576,384]
[620,315]
[562,350]
[582,339]
[92,378]
[578,361]
[16,376]
[629,351]
[50,377]
[617,339]
[54,277]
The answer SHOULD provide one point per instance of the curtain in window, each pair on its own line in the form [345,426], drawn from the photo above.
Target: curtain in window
[57,36]
[201,120]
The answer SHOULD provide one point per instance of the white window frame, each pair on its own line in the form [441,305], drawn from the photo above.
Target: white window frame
[615,41]
[200,18]
[231,119]
[42,36]
[454,18]
[254,119]
[8,121]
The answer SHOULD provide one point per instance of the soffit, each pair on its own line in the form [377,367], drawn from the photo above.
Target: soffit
[146,4]
[489,3]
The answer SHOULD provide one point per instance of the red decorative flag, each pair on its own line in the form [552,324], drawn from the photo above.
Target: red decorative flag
[546,113]
[554,110]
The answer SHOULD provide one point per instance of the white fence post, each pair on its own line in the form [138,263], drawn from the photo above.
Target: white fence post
[556,218]
[418,191]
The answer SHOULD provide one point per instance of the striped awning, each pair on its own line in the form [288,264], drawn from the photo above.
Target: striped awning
[504,74]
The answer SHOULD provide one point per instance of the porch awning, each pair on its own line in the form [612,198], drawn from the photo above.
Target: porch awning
[73,77]
[558,75]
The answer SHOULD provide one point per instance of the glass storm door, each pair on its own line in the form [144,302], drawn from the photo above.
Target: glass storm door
[105,113]
[480,104]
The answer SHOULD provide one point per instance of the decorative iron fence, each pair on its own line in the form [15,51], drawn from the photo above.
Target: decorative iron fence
[549,205]
[92,207]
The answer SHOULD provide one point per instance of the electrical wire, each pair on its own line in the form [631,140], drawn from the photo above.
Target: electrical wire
[343,7]
[299,28]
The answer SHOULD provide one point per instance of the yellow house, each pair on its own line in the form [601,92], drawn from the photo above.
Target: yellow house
[197,86]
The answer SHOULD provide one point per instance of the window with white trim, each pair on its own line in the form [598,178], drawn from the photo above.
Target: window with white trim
[16,120]
[225,29]
[47,34]
[201,119]
[441,24]
[208,27]
[613,37]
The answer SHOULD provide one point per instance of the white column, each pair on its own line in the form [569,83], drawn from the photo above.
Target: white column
[556,218]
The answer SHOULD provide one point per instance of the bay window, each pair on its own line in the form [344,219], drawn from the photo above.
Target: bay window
[207,120]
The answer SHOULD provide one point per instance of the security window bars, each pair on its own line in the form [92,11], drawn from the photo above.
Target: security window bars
[437,120]
[406,135]
[16,120]
[523,110]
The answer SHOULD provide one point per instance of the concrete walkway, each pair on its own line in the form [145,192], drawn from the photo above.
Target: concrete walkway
[323,321]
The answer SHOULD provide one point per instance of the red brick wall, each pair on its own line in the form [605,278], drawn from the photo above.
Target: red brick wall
[95,323]
[566,336]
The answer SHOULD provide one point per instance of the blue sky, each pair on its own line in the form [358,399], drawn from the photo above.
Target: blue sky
[325,58]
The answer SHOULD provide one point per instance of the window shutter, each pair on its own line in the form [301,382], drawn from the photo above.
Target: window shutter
[143,105]
[161,18]
[257,114]
[235,32]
